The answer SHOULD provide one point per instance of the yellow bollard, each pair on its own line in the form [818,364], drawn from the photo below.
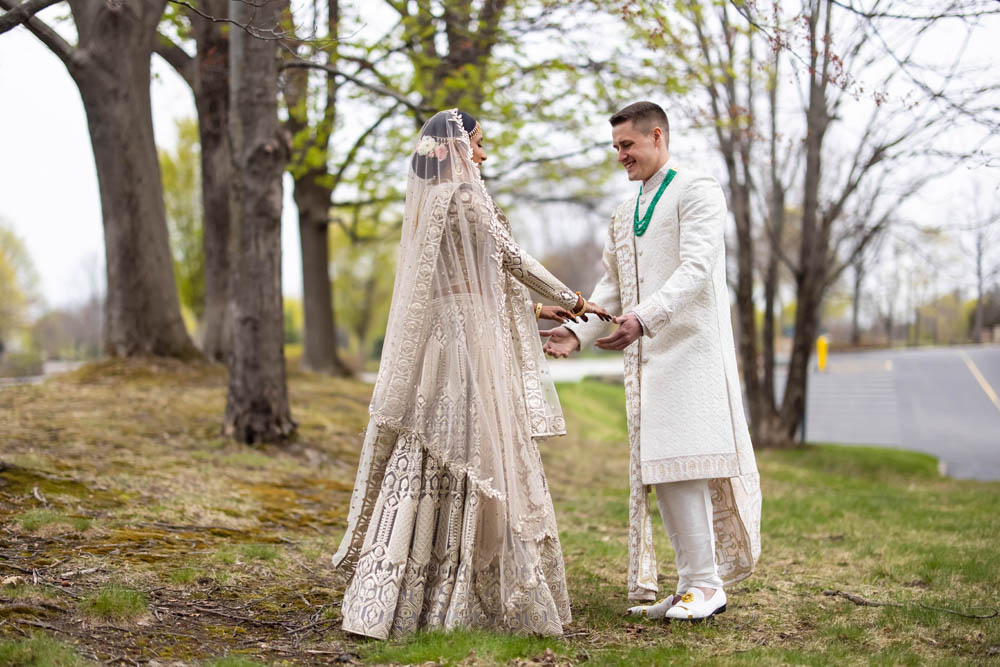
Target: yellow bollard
[822,347]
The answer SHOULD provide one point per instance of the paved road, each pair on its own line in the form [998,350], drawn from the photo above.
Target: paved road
[932,400]
[942,401]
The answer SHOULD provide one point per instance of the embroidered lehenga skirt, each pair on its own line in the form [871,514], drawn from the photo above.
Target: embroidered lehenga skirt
[430,544]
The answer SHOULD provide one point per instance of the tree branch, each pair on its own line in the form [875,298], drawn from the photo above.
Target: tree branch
[349,159]
[176,57]
[910,17]
[45,35]
[551,158]
[374,87]
[22,12]
[259,33]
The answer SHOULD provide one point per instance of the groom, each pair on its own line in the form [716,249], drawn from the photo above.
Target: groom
[665,273]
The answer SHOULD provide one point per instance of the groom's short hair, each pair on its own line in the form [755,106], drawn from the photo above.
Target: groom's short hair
[644,116]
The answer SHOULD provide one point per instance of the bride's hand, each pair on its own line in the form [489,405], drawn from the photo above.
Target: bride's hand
[557,313]
[594,309]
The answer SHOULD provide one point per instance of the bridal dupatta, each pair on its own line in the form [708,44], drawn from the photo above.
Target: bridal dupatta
[451,522]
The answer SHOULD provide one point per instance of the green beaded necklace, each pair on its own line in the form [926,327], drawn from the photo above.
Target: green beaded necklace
[639,226]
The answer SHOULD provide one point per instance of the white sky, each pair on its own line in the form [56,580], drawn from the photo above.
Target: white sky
[48,185]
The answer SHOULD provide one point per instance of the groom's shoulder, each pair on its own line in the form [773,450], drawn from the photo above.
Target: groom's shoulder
[688,175]
[696,183]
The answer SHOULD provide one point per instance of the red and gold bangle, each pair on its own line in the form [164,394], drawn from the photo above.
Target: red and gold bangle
[538,311]
[583,306]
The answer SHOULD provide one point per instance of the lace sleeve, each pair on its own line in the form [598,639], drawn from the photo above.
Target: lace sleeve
[522,266]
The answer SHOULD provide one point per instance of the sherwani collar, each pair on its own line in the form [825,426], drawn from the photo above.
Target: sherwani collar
[650,186]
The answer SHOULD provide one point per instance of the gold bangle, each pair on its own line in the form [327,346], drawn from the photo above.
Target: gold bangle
[583,306]
[538,311]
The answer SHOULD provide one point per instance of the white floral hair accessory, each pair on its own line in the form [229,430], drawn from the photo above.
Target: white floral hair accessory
[426,146]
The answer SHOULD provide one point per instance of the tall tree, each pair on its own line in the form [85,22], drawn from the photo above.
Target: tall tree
[257,407]
[314,185]
[110,66]
[207,73]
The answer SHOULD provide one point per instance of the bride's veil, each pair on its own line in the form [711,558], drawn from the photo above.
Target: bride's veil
[449,378]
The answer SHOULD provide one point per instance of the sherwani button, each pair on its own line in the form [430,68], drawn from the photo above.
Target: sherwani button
[645,360]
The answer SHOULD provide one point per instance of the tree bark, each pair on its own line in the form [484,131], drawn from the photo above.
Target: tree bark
[320,354]
[211,92]
[111,68]
[814,245]
[977,325]
[257,405]
[859,276]
[776,222]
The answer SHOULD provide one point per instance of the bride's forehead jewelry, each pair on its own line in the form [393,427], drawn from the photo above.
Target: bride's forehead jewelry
[477,132]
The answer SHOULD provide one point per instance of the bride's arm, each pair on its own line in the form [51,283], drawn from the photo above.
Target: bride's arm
[525,268]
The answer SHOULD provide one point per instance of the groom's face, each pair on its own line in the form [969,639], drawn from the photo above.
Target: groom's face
[638,152]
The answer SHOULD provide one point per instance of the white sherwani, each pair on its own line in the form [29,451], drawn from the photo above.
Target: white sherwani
[685,411]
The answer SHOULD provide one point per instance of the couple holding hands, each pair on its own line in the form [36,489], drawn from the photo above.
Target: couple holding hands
[451,523]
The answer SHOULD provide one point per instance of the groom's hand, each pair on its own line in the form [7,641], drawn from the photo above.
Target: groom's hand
[629,330]
[561,342]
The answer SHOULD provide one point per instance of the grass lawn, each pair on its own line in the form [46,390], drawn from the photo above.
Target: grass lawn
[130,531]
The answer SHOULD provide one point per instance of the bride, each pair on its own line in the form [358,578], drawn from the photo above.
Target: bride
[451,523]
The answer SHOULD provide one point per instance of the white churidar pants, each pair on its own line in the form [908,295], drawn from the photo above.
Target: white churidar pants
[686,510]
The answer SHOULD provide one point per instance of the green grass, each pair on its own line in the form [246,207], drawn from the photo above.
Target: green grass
[40,650]
[232,553]
[196,523]
[113,602]
[34,519]
[449,648]
[184,575]
[263,552]
[231,661]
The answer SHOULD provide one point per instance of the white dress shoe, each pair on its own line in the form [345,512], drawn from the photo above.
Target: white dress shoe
[694,607]
[657,610]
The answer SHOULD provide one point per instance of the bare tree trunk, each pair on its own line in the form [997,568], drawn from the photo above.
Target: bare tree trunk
[211,74]
[320,354]
[767,429]
[814,245]
[314,185]
[111,68]
[257,405]
[365,318]
[207,72]
[859,276]
[744,296]
[977,327]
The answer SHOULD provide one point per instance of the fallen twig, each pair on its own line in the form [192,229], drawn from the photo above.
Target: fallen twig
[39,496]
[76,573]
[37,624]
[245,619]
[295,631]
[865,602]
[16,567]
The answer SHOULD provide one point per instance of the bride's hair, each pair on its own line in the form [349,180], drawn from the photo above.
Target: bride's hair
[439,129]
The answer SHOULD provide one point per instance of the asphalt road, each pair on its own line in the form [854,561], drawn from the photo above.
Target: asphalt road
[942,401]
[925,399]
